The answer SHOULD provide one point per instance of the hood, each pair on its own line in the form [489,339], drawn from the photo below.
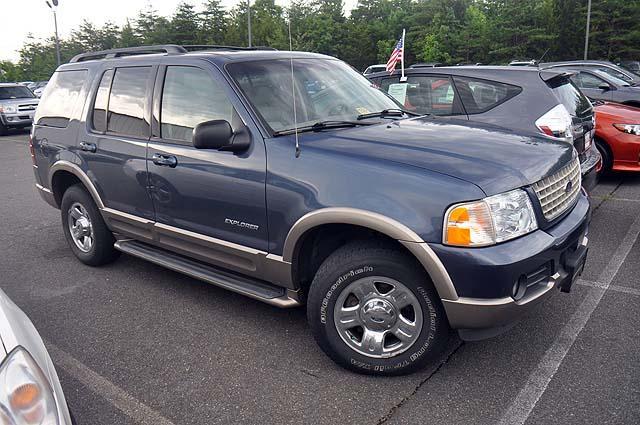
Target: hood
[493,158]
[23,101]
[626,114]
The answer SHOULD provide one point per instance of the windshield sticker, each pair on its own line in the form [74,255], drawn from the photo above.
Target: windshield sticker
[362,110]
[398,91]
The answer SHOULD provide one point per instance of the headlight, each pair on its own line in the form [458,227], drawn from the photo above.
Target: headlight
[494,219]
[629,128]
[8,109]
[25,394]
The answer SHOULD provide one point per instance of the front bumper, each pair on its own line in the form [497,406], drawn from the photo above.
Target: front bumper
[20,119]
[484,278]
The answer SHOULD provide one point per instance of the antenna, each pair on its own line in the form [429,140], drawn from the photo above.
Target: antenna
[543,55]
[293,91]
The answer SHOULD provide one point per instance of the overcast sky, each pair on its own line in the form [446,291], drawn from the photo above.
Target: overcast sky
[33,16]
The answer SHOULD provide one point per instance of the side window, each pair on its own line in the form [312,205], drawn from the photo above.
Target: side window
[99,114]
[386,82]
[430,94]
[126,102]
[480,96]
[190,96]
[588,81]
[60,98]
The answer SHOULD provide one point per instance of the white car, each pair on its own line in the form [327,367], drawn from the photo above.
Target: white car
[30,391]
[375,68]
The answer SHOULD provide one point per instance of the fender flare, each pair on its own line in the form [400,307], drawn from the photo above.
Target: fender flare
[74,169]
[382,224]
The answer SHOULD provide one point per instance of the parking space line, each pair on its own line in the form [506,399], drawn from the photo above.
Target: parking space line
[617,288]
[137,411]
[526,400]
[7,139]
[606,198]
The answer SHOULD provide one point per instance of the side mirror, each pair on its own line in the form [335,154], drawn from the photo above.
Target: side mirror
[218,134]
[604,86]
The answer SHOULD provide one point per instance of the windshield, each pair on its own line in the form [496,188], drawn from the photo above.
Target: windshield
[326,90]
[609,77]
[616,74]
[15,92]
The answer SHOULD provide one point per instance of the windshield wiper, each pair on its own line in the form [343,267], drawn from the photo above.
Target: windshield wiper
[322,125]
[388,113]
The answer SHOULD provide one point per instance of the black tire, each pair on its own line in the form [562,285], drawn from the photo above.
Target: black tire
[352,263]
[101,251]
[3,130]
[607,157]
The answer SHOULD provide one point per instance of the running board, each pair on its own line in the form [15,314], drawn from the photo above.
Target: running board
[259,290]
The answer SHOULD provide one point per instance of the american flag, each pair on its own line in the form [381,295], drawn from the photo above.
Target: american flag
[397,55]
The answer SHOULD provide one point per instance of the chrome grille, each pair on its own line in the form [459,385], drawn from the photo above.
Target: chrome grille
[24,108]
[557,192]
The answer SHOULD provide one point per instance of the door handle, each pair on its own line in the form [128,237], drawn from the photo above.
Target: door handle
[165,160]
[88,147]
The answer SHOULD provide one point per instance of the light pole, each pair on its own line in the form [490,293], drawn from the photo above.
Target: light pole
[586,38]
[249,20]
[55,23]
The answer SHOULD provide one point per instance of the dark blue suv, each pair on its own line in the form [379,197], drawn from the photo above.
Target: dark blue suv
[287,177]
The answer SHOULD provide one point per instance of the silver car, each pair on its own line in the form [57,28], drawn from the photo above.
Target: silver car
[30,391]
[17,106]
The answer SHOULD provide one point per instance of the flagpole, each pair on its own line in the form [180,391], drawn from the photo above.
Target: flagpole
[403,78]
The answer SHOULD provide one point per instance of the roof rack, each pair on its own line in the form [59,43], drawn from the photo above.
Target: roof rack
[149,50]
[199,47]
[128,51]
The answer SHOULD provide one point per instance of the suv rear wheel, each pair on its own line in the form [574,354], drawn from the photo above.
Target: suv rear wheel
[374,310]
[85,230]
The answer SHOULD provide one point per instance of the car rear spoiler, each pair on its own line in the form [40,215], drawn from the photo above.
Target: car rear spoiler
[554,78]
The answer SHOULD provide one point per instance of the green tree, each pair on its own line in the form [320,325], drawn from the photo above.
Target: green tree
[128,37]
[151,28]
[451,31]
[183,27]
[213,23]
[430,49]
[268,25]
[9,72]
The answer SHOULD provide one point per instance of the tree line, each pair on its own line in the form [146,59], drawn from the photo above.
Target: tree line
[447,31]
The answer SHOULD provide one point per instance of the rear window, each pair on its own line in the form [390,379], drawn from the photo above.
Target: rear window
[425,94]
[60,98]
[479,96]
[126,102]
[576,103]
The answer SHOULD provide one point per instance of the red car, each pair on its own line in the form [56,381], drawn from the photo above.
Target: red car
[618,136]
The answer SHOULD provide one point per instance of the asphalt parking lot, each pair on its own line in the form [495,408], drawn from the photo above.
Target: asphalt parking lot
[135,343]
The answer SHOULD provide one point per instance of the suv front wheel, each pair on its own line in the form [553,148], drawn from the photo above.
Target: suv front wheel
[374,310]
[85,230]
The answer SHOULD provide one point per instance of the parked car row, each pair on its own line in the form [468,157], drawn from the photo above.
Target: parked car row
[616,140]
[523,99]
